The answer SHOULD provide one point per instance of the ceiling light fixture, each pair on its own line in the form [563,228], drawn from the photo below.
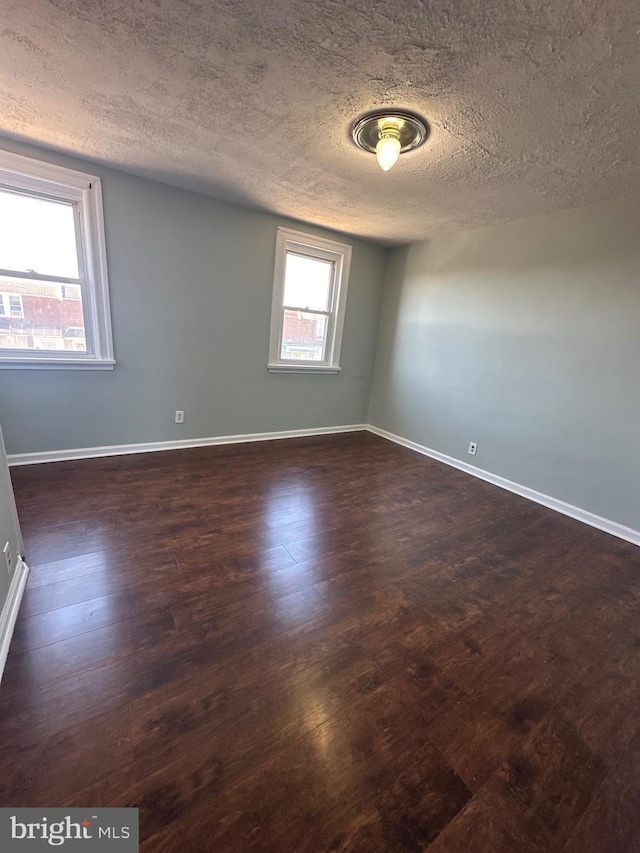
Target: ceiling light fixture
[388,134]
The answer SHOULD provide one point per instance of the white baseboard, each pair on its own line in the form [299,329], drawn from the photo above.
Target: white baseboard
[153,446]
[10,610]
[619,530]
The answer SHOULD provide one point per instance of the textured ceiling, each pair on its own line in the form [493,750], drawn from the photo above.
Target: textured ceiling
[533,105]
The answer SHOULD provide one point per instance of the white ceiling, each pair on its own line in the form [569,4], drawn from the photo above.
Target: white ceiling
[534,104]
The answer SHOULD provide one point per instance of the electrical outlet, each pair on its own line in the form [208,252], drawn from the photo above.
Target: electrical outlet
[179,417]
[8,557]
[473,446]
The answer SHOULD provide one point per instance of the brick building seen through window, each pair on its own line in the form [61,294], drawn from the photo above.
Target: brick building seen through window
[41,315]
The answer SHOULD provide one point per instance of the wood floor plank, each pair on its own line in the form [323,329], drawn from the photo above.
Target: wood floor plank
[53,626]
[64,763]
[534,801]
[611,822]
[45,665]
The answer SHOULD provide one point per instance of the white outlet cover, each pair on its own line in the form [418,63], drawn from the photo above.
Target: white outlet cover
[8,559]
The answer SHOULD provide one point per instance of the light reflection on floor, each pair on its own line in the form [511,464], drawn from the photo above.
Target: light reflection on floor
[279,508]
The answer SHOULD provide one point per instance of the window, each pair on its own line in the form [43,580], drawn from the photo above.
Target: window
[309,298]
[10,306]
[15,306]
[54,299]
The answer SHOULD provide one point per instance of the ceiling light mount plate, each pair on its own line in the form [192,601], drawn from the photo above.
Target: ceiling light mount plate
[412,129]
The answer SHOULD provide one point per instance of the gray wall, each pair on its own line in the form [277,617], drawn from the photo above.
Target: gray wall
[9,529]
[190,282]
[526,339]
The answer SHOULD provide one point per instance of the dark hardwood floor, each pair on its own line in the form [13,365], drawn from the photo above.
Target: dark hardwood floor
[324,644]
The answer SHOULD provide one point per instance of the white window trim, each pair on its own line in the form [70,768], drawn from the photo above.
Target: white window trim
[85,191]
[7,308]
[322,249]
[10,307]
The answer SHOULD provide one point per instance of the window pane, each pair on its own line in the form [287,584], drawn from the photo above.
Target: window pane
[38,235]
[41,315]
[307,282]
[304,336]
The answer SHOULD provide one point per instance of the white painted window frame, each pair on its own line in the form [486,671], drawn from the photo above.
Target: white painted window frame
[318,248]
[11,307]
[85,193]
[7,308]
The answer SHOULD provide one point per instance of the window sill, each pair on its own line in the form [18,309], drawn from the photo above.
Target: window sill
[296,368]
[56,364]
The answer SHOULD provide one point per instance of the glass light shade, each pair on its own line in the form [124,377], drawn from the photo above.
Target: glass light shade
[387,152]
